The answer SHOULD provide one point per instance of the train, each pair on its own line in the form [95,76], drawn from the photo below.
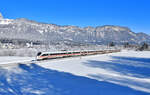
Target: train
[63,54]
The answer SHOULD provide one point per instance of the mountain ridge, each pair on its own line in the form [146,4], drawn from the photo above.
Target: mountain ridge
[23,28]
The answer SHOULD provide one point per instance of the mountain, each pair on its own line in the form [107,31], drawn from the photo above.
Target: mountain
[25,29]
[1,17]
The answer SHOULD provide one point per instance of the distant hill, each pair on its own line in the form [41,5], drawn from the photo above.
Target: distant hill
[35,31]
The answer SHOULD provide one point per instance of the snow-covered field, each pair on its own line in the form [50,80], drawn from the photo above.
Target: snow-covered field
[123,73]
[14,59]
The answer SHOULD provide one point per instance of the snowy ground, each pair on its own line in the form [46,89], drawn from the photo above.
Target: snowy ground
[14,59]
[124,73]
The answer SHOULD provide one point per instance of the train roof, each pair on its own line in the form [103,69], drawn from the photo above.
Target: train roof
[53,52]
[58,52]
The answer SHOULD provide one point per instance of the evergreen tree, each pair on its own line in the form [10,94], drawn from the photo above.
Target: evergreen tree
[111,44]
[126,45]
[144,47]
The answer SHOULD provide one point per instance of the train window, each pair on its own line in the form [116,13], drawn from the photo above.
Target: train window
[63,53]
[54,54]
[58,54]
[45,55]
[39,53]
[76,52]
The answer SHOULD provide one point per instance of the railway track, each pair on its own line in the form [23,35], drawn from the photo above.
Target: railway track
[41,61]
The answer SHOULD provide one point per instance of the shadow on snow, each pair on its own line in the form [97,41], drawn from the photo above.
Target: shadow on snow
[137,67]
[36,80]
[125,66]
[145,60]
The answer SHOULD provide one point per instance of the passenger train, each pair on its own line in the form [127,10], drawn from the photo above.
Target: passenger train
[62,54]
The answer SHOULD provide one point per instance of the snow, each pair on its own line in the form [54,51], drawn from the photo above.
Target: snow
[123,73]
[5,21]
[14,59]
[41,31]
[83,67]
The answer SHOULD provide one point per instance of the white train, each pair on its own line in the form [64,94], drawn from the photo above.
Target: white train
[52,55]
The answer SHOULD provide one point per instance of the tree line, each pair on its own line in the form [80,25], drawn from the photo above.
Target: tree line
[141,47]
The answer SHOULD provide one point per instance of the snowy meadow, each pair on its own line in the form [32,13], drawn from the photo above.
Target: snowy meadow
[123,73]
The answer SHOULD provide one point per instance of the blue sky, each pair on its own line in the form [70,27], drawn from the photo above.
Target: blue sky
[134,14]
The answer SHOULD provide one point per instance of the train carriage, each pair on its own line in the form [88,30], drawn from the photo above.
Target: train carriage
[52,55]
